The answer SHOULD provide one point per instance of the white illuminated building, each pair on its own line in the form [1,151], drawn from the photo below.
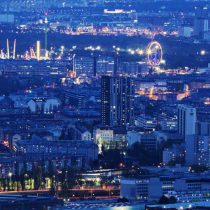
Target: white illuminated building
[47,106]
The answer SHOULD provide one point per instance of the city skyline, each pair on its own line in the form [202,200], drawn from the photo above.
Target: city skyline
[104,104]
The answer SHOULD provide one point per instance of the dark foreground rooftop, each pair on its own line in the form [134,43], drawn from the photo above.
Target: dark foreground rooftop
[18,201]
[181,206]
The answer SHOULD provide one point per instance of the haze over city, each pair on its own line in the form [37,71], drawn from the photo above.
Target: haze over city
[104,104]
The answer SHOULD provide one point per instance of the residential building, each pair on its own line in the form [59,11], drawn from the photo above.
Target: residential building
[117,98]
[86,150]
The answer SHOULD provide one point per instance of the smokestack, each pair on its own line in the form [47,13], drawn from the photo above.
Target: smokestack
[14,49]
[38,49]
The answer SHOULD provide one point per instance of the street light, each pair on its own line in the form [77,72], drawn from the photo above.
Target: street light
[203,52]
[140,52]
[10,179]
[62,48]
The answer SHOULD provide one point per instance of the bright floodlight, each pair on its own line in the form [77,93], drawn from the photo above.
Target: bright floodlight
[203,52]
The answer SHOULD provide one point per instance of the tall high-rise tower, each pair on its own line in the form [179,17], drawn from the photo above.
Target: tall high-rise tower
[201,22]
[187,128]
[117,101]
[186,120]
[94,65]
[116,65]
[46,35]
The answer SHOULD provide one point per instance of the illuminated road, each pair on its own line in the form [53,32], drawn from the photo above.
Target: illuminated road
[76,194]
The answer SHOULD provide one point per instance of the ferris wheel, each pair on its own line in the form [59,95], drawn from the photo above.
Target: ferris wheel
[154,54]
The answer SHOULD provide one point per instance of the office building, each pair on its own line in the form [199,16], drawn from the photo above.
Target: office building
[184,189]
[134,189]
[187,129]
[186,120]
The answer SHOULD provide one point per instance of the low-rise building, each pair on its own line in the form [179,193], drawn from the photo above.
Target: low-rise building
[43,105]
[151,188]
[135,189]
[176,153]
[109,138]
[146,122]
[87,150]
